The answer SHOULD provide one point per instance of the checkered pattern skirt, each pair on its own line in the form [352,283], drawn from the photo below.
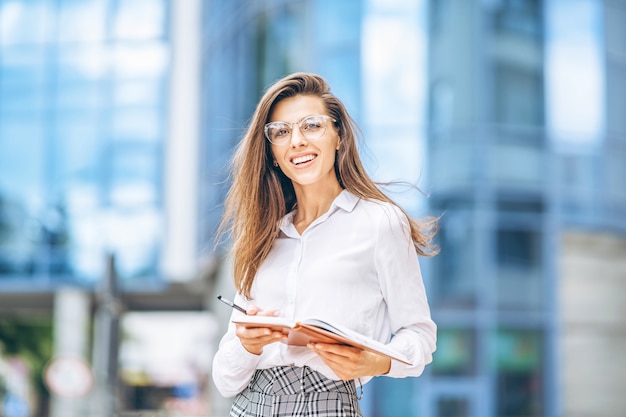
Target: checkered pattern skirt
[293,391]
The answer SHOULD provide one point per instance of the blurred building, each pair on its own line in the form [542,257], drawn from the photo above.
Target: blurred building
[118,118]
[526,158]
[97,180]
[81,139]
[493,286]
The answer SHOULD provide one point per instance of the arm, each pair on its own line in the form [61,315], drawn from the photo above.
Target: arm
[413,331]
[233,365]
[239,353]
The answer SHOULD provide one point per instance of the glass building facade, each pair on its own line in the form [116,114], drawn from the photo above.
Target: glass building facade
[517,137]
[493,282]
[82,119]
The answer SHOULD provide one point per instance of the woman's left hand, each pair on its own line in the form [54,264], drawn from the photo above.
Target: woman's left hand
[348,362]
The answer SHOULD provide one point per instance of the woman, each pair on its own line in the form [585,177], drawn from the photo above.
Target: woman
[314,236]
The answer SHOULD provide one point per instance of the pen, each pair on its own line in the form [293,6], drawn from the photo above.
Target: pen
[230,303]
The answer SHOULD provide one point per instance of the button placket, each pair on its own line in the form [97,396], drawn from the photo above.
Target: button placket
[292,280]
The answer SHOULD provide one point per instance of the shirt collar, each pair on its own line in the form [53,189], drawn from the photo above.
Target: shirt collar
[345,201]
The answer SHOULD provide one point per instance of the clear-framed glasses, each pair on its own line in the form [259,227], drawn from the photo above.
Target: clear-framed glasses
[311,127]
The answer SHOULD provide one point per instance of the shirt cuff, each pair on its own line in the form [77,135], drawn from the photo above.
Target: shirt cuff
[237,355]
[396,370]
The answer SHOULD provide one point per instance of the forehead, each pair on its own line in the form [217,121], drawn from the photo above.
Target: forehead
[294,108]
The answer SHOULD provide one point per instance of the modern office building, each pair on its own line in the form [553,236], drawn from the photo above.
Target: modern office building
[490,168]
[83,102]
[90,171]
[523,143]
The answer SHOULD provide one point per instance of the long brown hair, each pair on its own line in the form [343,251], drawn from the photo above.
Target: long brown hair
[261,194]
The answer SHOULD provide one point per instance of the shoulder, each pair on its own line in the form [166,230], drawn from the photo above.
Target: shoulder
[371,211]
[383,214]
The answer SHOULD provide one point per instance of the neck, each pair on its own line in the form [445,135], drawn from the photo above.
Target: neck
[313,202]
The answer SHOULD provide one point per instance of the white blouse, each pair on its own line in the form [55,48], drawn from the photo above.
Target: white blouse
[355,266]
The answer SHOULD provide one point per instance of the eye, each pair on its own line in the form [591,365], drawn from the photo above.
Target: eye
[280,130]
[312,123]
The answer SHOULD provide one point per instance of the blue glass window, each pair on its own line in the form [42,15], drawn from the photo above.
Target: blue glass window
[82,105]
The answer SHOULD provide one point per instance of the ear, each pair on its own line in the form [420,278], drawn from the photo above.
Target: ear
[338,145]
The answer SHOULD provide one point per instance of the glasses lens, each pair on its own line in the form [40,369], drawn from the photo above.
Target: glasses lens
[313,127]
[278,132]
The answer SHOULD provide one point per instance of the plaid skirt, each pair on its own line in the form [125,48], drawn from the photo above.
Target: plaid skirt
[293,391]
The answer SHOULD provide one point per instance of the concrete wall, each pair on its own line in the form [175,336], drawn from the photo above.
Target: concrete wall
[592,297]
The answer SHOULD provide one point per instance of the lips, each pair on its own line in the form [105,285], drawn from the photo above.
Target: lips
[303,159]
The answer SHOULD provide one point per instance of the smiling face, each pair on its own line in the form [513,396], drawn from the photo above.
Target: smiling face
[306,162]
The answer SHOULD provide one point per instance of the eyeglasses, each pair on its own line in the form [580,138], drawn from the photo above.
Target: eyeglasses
[311,127]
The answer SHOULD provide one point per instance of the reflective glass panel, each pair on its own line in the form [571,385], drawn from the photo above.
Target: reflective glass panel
[519,269]
[82,20]
[23,65]
[456,352]
[23,22]
[454,283]
[451,406]
[136,124]
[139,19]
[520,377]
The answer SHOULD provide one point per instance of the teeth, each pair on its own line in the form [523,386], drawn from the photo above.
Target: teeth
[302,159]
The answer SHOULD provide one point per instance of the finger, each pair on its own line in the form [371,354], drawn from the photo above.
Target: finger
[274,313]
[257,333]
[252,310]
[338,365]
[334,361]
[256,311]
[338,361]
[336,349]
[255,339]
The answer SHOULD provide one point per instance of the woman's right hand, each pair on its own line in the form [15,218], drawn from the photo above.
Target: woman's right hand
[254,338]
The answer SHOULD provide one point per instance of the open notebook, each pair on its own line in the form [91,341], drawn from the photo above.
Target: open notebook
[311,330]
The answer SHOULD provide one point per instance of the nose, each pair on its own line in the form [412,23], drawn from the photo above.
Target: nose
[297,138]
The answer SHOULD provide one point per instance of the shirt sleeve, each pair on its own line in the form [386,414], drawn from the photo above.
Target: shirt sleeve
[233,366]
[413,331]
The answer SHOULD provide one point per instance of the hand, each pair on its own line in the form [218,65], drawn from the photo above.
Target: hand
[254,339]
[348,362]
